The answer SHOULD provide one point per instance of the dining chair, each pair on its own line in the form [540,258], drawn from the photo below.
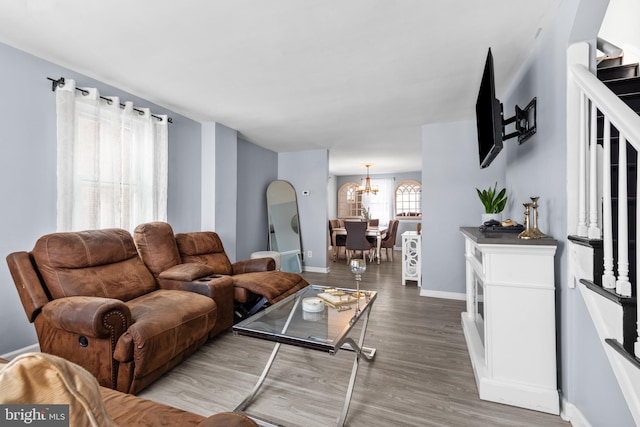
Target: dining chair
[357,239]
[389,240]
[341,239]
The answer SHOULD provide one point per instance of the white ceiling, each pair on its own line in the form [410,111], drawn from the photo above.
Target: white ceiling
[358,77]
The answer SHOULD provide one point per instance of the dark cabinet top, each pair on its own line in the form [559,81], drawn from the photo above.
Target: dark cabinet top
[503,238]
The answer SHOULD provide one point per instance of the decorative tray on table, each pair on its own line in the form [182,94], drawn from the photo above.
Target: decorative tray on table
[500,229]
[337,298]
[507,226]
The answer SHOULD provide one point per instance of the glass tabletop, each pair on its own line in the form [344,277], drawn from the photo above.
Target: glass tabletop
[316,317]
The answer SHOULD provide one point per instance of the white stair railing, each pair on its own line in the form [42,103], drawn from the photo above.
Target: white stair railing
[587,95]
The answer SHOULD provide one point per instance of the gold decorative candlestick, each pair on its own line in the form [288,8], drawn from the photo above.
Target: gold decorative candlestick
[528,232]
[536,231]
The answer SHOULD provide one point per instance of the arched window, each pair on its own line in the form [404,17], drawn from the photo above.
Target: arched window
[349,201]
[408,199]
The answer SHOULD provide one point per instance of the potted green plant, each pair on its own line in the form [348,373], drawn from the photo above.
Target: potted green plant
[494,202]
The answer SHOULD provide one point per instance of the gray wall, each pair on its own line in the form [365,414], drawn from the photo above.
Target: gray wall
[538,167]
[294,167]
[28,170]
[226,187]
[184,205]
[235,177]
[257,167]
[450,163]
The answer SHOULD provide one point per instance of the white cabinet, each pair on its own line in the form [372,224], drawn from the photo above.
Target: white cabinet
[411,259]
[510,325]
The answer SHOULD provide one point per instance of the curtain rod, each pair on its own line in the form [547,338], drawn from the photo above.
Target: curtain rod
[60,82]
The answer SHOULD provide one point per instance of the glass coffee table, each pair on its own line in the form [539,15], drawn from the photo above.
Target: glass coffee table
[316,317]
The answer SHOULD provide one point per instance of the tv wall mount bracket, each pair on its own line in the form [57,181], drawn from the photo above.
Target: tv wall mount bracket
[525,123]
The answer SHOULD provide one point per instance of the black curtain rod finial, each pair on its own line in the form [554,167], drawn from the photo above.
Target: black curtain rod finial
[55,83]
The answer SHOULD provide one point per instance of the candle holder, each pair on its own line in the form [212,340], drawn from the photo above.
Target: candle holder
[528,231]
[536,231]
[358,267]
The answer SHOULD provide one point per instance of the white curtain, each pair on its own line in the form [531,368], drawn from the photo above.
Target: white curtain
[380,205]
[112,162]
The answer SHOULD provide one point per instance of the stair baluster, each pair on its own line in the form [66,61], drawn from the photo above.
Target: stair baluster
[608,277]
[593,231]
[623,286]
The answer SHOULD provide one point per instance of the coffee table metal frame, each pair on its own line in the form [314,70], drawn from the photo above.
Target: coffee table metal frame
[341,341]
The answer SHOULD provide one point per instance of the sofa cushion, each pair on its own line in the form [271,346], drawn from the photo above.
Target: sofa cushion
[166,323]
[40,378]
[204,247]
[157,246]
[101,263]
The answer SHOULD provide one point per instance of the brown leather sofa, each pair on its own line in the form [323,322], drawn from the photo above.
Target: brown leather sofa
[43,379]
[94,302]
[256,283]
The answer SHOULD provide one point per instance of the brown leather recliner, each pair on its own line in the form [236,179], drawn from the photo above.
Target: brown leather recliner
[185,256]
[94,302]
[256,282]
[157,248]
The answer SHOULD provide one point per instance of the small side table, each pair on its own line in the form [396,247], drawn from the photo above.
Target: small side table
[411,259]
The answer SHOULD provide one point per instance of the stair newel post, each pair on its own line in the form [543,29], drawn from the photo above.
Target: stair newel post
[608,277]
[582,229]
[623,286]
[593,231]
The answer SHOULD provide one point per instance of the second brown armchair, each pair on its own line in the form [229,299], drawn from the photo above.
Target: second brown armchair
[255,281]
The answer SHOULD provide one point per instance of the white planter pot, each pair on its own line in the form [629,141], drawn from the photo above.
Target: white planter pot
[487,217]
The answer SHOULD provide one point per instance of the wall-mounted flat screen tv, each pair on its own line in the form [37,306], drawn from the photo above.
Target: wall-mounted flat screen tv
[488,116]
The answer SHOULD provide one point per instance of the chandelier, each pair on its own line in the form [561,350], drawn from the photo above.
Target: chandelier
[367,188]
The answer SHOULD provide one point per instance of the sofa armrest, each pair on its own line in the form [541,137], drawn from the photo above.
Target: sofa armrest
[187,272]
[209,286]
[27,281]
[253,265]
[91,316]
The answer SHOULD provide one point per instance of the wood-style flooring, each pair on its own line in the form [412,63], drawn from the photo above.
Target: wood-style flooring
[421,375]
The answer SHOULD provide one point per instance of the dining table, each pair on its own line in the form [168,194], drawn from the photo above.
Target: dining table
[372,231]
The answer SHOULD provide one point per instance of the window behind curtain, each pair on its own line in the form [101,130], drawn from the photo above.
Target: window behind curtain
[380,205]
[112,162]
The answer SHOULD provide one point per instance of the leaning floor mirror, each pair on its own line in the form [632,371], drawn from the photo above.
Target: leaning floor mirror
[284,227]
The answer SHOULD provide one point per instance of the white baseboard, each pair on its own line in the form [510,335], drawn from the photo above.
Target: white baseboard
[316,269]
[572,414]
[442,294]
[28,349]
